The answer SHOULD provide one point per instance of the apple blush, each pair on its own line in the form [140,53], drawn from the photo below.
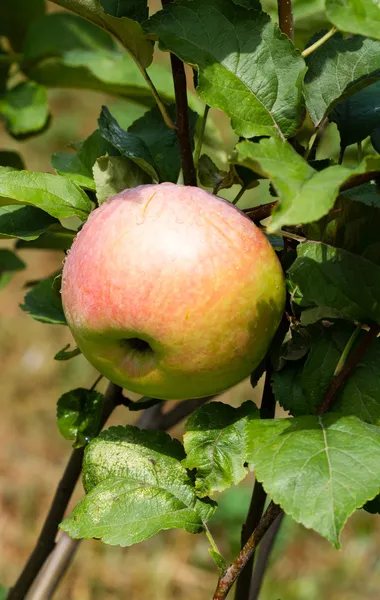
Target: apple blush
[171,292]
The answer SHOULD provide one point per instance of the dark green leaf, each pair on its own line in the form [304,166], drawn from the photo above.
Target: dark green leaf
[8,158]
[78,415]
[9,264]
[16,17]
[375,139]
[25,222]
[247,68]
[55,195]
[135,486]
[51,240]
[44,303]
[318,469]
[337,279]
[373,506]
[211,176]
[129,145]
[368,194]
[339,68]
[215,444]
[355,16]
[128,32]
[113,174]
[25,109]
[357,116]
[66,354]
[136,10]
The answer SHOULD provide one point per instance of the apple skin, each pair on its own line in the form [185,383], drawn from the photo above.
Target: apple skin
[171,292]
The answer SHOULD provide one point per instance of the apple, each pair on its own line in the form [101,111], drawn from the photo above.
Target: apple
[172,292]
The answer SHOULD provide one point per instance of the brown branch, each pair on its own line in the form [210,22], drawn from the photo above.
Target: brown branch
[259,213]
[357,180]
[285,17]
[182,121]
[46,541]
[227,580]
[340,379]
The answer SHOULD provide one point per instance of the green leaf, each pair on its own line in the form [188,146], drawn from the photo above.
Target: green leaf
[78,415]
[8,158]
[9,264]
[3,592]
[339,68]
[25,222]
[16,17]
[357,116]
[375,139]
[129,145]
[55,195]
[337,279]
[355,16]
[51,240]
[305,194]
[129,33]
[66,354]
[136,10]
[215,444]
[247,68]
[25,109]
[318,469]
[211,176]
[162,141]
[368,193]
[78,167]
[373,506]
[136,486]
[44,303]
[113,174]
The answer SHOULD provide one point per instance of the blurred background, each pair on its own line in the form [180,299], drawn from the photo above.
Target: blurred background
[173,565]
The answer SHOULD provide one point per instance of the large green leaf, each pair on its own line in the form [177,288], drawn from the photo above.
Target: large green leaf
[136,10]
[355,16]
[247,68]
[215,444]
[78,415]
[43,302]
[55,195]
[129,145]
[339,68]
[305,194]
[16,17]
[25,109]
[9,264]
[113,174]
[334,278]
[135,486]
[318,469]
[129,33]
[357,116]
[24,222]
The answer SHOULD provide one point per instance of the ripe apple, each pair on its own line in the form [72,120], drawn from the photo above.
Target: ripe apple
[172,292]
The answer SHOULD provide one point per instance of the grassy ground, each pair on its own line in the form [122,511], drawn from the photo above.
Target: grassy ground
[173,565]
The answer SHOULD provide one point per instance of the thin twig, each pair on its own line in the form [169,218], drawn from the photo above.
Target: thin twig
[259,213]
[227,580]
[263,554]
[46,540]
[285,17]
[198,148]
[240,193]
[156,96]
[340,379]
[182,121]
[153,419]
[310,49]
[256,508]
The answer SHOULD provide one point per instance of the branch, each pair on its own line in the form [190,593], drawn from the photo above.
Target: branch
[256,508]
[46,541]
[259,213]
[182,123]
[153,419]
[341,377]
[227,580]
[261,563]
[285,17]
